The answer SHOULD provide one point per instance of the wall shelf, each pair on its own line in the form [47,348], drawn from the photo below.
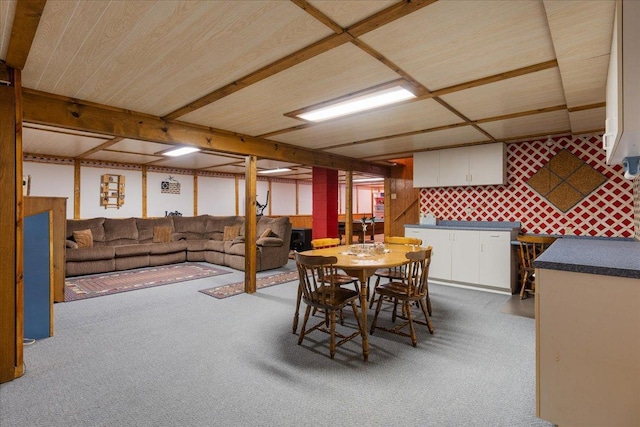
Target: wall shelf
[112,191]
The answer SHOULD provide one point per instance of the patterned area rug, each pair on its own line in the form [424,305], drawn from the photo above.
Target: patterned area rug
[83,287]
[238,288]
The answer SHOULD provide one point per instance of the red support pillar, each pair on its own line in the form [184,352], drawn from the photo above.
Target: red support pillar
[325,203]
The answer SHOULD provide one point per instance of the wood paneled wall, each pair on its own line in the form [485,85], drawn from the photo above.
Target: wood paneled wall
[404,208]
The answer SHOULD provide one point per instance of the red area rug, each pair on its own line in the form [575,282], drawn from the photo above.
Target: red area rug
[238,288]
[82,287]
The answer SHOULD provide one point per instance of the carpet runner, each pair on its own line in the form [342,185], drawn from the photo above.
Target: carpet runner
[83,287]
[238,288]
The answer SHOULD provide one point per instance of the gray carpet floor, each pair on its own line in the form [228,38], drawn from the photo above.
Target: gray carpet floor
[172,356]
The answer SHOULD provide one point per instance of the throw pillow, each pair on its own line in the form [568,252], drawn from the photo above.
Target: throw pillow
[161,234]
[83,238]
[265,233]
[231,232]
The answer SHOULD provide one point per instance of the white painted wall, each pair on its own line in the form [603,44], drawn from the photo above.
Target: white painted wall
[216,195]
[305,198]
[283,198]
[90,193]
[364,200]
[51,180]
[261,195]
[158,203]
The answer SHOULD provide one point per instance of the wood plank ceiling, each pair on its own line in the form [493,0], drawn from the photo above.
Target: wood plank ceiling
[484,71]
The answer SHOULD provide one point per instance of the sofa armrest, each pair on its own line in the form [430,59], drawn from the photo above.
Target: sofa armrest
[236,240]
[275,242]
[70,244]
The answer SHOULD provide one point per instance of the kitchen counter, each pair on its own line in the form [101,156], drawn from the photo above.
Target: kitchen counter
[609,257]
[471,225]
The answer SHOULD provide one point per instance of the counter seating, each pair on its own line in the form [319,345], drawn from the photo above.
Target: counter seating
[101,245]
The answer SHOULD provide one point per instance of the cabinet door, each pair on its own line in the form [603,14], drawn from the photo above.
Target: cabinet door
[440,240]
[495,259]
[454,167]
[487,164]
[465,260]
[426,169]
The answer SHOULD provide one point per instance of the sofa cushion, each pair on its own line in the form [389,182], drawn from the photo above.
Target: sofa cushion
[168,248]
[91,254]
[217,223]
[120,228]
[70,244]
[96,225]
[146,226]
[190,224]
[214,245]
[132,250]
[83,238]
[196,245]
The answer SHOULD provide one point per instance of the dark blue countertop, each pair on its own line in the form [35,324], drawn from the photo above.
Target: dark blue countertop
[471,225]
[605,256]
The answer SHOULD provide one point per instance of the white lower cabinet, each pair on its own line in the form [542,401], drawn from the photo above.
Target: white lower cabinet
[470,257]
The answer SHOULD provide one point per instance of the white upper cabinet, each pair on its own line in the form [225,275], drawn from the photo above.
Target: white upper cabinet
[475,165]
[622,126]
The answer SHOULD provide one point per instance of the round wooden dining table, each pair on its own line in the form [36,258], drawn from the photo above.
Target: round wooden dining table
[362,266]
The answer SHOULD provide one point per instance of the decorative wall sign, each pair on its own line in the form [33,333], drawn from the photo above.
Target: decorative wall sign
[170,186]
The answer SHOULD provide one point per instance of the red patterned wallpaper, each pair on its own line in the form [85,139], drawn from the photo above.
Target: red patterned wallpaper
[608,211]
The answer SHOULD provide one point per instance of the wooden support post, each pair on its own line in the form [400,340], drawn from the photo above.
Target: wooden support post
[11,230]
[76,189]
[144,191]
[348,208]
[250,225]
[195,193]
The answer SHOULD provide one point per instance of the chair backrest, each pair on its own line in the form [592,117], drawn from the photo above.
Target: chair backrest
[399,240]
[317,275]
[417,271]
[326,242]
[531,247]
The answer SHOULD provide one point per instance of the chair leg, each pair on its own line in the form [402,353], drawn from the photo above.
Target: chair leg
[296,315]
[304,324]
[407,305]
[355,313]
[395,309]
[332,329]
[525,277]
[426,316]
[375,316]
[428,302]
[372,296]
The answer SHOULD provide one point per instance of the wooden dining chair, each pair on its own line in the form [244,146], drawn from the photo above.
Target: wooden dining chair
[414,288]
[319,291]
[393,273]
[338,278]
[530,248]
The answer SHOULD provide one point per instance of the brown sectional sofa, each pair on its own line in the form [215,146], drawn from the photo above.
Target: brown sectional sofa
[126,243]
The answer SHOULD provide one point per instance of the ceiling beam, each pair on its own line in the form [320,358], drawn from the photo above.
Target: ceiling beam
[54,110]
[385,16]
[25,24]
[100,147]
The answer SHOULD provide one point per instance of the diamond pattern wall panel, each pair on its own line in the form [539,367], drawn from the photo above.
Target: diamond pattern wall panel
[636,207]
[608,211]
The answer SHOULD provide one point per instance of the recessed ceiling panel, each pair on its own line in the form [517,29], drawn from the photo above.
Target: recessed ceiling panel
[7,11]
[413,116]
[581,33]
[38,141]
[274,164]
[588,120]
[137,146]
[451,42]
[408,144]
[524,93]
[157,56]
[346,13]
[190,161]
[260,108]
[235,169]
[120,157]
[539,124]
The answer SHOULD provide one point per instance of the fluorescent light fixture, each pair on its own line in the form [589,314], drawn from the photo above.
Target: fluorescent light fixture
[181,151]
[275,170]
[368,180]
[358,104]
